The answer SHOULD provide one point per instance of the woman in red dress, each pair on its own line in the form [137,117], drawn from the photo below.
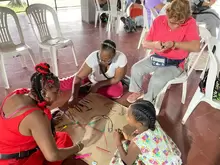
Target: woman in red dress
[25,124]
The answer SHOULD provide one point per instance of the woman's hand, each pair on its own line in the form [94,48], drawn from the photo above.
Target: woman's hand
[72,102]
[167,45]
[80,146]
[94,88]
[119,137]
[158,45]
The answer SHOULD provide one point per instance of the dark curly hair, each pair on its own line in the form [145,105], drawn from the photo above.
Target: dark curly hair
[144,112]
[108,45]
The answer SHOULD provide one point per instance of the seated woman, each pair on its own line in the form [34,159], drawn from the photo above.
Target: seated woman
[102,71]
[171,38]
[150,144]
[26,134]
[203,12]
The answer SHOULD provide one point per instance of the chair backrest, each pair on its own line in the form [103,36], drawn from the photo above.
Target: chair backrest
[97,6]
[154,13]
[113,7]
[219,33]
[38,14]
[145,16]
[5,37]
[163,10]
[205,35]
[214,65]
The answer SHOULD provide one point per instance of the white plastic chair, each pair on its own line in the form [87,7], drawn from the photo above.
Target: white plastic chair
[99,11]
[7,47]
[214,63]
[155,14]
[145,28]
[38,14]
[115,16]
[219,33]
[182,79]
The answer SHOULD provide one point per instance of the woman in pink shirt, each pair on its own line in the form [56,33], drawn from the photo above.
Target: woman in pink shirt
[171,38]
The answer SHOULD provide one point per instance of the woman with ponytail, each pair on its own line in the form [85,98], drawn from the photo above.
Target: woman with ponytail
[28,136]
[149,144]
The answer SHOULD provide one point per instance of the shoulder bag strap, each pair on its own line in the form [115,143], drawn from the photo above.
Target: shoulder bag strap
[100,67]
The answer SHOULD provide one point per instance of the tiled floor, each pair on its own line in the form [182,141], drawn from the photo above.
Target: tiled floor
[199,139]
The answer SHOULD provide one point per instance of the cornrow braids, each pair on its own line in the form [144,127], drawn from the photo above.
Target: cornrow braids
[109,45]
[144,112]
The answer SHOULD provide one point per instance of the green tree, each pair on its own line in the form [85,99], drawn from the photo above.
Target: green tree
[16,3]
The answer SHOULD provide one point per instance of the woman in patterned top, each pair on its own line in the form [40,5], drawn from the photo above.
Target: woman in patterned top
[149,144]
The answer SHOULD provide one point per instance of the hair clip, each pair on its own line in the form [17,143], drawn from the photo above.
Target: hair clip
[109,45]
[50,81]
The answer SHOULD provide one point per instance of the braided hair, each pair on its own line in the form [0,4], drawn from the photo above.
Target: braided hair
[144,112]
[40,79]
[109,45]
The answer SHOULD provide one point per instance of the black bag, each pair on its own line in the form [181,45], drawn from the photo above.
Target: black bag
[129,24]
[202,83]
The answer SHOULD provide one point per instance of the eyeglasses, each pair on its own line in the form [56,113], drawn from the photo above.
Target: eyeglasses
[105,62]
[177,22]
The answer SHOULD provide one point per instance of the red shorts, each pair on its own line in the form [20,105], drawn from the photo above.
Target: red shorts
[112,91]
[63,140]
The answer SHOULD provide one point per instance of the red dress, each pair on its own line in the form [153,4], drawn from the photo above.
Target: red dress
[12,141]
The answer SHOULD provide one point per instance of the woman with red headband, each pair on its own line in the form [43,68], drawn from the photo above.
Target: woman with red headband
[27,133]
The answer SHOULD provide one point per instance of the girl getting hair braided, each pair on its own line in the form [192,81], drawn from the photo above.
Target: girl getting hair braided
[149,142]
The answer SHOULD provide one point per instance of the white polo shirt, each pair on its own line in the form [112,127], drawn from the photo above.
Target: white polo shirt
[119,61]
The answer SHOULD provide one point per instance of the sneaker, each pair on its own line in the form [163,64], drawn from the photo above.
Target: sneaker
[134,97]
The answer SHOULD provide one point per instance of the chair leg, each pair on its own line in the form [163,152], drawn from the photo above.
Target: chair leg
[109,24]
[192,105]
[42,54]
[96,18]
[184,90]
[141,37]
[54,52]
[4,74]
[159,101]
[117,24]
[31,54]
[23,61]
[74,54]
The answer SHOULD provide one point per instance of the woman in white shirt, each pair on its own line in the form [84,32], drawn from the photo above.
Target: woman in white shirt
[101,73]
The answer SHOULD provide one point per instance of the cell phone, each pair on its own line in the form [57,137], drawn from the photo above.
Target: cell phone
[162,45]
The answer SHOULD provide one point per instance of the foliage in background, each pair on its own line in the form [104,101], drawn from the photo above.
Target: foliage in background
[16,5]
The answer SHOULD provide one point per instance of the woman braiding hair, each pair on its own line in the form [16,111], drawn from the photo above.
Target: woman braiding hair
[27,137]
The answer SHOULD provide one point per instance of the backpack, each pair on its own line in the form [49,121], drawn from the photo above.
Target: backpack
[129,24]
